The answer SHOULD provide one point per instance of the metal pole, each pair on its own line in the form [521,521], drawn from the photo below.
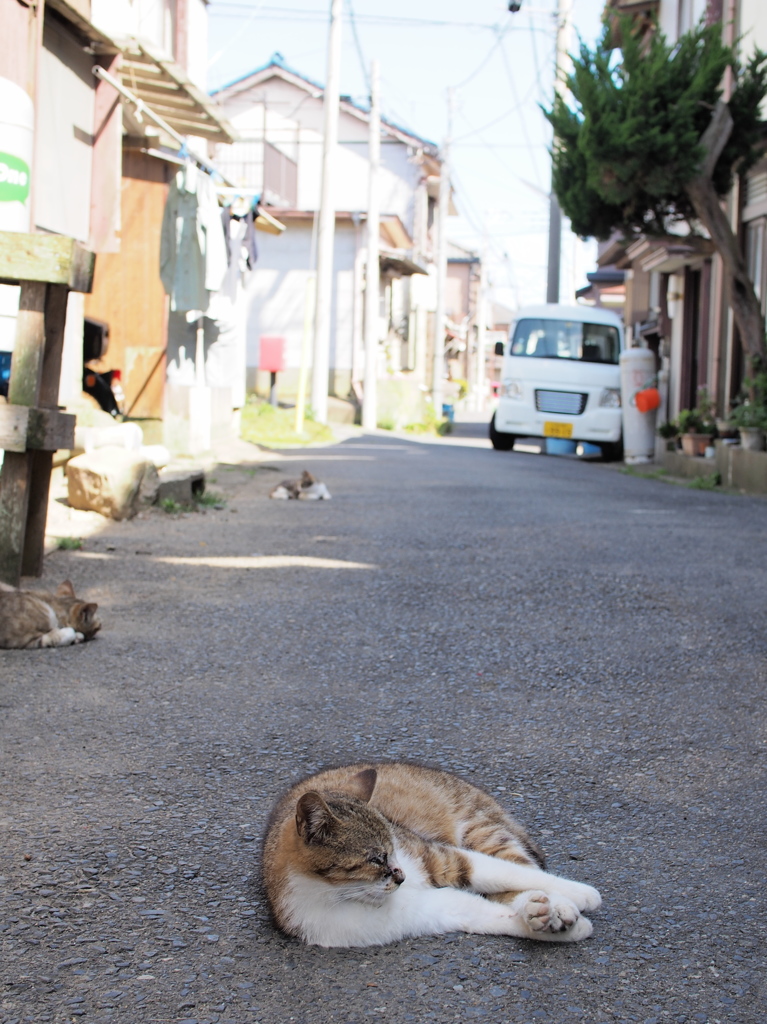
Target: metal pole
[372,270]
[480,384]
[327,222]
[438,371]
[564,10]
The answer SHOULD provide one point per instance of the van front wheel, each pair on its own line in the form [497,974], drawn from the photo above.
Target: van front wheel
[613,451]
[500,441]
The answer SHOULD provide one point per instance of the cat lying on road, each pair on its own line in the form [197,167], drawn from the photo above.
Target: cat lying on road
[31,618]
[368,854]
[308,488]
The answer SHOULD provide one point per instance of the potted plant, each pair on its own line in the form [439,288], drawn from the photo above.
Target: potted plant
[749,414]
[669,431]
[697,426]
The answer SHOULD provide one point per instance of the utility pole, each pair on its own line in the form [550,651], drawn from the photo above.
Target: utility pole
[564,10]
[480,383]
[327,222]
[372,270]
[438,371]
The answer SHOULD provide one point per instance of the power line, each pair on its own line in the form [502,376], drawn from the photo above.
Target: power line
[358,46]
[256,10]
[480,67]
[525,132]
[227,8]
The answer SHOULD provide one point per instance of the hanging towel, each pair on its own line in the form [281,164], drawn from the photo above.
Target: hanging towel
[192,245]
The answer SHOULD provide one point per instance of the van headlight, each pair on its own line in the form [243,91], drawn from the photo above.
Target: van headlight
[511,388]
[610,398]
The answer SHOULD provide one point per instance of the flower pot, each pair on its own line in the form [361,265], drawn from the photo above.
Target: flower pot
[695,444]
[752,439]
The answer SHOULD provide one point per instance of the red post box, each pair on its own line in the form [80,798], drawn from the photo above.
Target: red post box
[272,359]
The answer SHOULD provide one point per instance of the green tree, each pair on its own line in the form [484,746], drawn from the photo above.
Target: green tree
[644,143]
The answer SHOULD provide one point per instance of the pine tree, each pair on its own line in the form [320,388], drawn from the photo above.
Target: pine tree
[644,144]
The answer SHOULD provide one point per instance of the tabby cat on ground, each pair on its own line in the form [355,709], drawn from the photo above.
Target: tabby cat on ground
[32,618]
[371,853]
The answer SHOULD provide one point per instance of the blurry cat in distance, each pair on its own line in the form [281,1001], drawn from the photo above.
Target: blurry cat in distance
[32,618]
[371,853]
[306,489]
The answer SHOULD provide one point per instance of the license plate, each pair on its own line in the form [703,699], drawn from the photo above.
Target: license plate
[554,429]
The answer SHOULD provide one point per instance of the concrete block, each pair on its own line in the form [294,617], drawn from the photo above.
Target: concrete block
[115,482]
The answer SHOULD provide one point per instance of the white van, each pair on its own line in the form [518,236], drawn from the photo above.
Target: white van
[561,378]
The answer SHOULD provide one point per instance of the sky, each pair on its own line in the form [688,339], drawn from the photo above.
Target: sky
[500,66]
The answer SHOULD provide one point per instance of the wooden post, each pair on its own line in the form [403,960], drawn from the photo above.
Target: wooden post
[32,428]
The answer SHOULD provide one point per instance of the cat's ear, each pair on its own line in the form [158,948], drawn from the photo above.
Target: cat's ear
[314,819]
[65,589]
[363,783]
[85,613]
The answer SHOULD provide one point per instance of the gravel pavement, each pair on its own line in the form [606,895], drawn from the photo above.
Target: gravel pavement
[587,645]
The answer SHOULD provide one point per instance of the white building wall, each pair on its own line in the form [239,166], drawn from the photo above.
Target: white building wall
[152,20]
[292,120]
[276,297]
[197,43]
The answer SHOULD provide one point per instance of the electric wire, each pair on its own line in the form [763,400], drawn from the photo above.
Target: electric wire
[229,9]
[525,132]
[358,46]
[480,67]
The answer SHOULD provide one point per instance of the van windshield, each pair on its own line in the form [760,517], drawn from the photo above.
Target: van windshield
[566,339]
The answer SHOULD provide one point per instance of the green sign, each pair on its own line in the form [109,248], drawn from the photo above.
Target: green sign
[14,179]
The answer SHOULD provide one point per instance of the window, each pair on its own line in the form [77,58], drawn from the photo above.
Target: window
[566,339]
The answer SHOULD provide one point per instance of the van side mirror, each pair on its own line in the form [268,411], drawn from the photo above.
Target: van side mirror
[499,348]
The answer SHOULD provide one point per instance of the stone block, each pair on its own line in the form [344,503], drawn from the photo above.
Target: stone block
[116,482]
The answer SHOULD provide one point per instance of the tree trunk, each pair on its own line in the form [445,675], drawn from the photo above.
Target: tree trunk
[741,296]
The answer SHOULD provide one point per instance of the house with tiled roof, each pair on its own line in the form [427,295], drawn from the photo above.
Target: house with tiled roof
[278,115]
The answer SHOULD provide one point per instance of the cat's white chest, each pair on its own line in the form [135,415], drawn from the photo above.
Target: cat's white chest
[330,915]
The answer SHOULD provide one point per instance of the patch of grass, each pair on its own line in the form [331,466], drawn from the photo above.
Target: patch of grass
[430,424]
[706,483]
[710,482]
[651,474]
[209,499]
[264,424]
[205,499]
[386,424]
[69,543]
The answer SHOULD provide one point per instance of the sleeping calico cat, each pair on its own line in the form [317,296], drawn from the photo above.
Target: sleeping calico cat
[31,618]
[368,854]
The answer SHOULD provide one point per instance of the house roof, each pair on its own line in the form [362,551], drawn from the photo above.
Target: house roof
[165,87]
[153,78]
[665,254]
[277,67]
[458,254]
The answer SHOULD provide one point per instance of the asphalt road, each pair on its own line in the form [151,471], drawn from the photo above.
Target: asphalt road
[587,645]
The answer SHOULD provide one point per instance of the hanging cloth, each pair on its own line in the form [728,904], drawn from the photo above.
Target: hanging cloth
[248,244]
[193,257]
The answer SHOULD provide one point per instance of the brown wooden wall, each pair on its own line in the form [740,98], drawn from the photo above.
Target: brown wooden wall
[127,292]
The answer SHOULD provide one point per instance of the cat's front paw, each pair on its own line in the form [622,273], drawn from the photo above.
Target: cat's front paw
[551,915]
[585,897]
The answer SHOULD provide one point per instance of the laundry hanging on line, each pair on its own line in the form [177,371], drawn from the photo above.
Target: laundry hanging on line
[248,237]
[193,249]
